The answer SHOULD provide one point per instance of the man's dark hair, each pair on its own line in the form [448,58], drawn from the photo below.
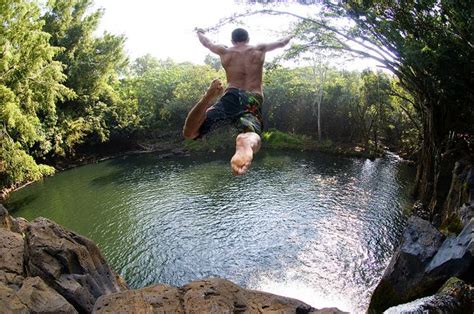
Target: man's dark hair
[240,35]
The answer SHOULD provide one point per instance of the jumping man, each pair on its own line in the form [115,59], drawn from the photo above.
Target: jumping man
[242,100]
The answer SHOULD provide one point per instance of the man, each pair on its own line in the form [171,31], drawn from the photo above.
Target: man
[242,101]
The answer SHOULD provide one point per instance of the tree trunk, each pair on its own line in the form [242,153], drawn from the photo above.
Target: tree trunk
[434,171]
[425,172]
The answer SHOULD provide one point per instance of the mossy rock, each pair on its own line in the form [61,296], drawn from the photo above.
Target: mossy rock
[452,225]
[383,297]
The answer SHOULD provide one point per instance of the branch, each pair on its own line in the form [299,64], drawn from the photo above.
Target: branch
[320,24]
[387,47]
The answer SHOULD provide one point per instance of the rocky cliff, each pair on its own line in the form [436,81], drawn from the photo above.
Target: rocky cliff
[422,264]
[45,268]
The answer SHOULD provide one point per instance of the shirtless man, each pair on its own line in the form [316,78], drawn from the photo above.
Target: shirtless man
[242,101]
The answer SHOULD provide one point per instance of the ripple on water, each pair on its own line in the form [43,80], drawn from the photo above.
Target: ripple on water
[315,227]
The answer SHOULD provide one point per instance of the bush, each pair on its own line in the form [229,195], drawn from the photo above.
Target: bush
[17,166]
[277,139]
[221,139]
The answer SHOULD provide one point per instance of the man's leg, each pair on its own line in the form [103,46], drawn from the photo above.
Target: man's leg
[197,114]
[246,145]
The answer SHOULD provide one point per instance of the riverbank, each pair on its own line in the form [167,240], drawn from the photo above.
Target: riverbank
[173,145]
[165,147]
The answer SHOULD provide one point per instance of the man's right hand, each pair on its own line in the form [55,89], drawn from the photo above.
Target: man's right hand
[199,30]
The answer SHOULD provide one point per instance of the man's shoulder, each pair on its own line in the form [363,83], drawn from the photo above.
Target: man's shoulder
[250,49]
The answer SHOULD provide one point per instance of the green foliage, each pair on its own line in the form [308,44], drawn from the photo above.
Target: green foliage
[355,108]
[430,44]
[215,141]
[30,85]
[59,84]
[16,166]
[167,90]
[92,66]
[281,140]
[452,225]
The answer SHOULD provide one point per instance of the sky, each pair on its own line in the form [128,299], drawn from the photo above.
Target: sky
[165,29]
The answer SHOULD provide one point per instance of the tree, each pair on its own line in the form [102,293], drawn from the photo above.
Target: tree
[213,62]
[319,72]
[428,45]
[30,84]
[374,105]
[431,46]
[92,66]
[166,90]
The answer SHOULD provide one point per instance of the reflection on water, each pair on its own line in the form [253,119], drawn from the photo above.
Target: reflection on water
[310,226]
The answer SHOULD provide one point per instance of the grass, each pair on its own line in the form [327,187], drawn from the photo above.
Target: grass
[224,139]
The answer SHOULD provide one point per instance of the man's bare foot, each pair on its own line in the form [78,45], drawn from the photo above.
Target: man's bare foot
[214,91]
[246,145]
[241,161]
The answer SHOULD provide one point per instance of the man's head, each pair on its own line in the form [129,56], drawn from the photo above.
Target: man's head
[240,35]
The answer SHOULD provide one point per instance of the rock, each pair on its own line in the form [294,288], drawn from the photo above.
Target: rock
[454,297]
[203,296]
[12,280]
[467,213]
[39,298]
[157,298]
[5,219]
[69,263]
[455,257]
[10,302]
[222,296]
[20,225]
[12,248]
[7,222]
[403,279]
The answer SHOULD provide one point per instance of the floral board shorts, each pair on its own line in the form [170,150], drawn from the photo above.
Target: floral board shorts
[237,107]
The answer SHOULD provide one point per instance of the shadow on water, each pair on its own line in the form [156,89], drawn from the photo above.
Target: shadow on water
[316,227]
[21,202]
[107,179]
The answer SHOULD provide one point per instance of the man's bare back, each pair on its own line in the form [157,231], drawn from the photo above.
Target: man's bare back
[243,63]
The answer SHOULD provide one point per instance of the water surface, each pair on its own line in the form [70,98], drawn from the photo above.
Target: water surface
[315,227]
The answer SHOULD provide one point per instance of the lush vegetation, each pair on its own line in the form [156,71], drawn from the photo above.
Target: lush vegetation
[63,88]
[59,85]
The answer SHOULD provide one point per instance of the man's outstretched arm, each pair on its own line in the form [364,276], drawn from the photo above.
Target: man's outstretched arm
[206,42]
[274,45]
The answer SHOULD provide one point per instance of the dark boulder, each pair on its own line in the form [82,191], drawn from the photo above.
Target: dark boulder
[12,250]
[467,213]
[422,264]
[454,297]
[455,257]
[403,279]
[69,263]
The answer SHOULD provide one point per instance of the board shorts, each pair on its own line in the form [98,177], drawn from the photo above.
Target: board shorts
[236,107]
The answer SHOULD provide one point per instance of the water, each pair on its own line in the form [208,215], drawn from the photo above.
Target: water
[315,227]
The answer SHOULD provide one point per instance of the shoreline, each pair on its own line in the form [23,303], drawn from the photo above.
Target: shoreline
[171,147]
